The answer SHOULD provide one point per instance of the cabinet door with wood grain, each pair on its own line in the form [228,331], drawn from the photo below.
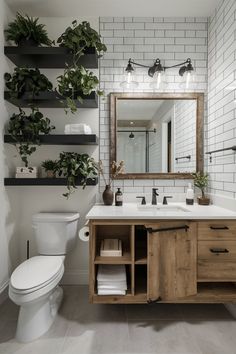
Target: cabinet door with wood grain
[172,260]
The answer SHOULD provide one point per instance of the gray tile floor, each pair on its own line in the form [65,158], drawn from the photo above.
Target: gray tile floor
[81,328]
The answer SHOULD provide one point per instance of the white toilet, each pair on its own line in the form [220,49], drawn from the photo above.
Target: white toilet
[34,283]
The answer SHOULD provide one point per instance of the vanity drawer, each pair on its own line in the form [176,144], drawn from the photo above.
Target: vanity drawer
[217,260]
[217,230]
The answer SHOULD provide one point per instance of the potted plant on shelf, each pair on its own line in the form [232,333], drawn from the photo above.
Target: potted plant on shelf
[25,130]
[116,169]
[74,83]
[79,37]
[25,31]
[27,80]
[72,165]
[50,167]
[201,182]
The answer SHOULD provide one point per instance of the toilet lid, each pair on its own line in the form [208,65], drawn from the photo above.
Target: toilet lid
[35,271]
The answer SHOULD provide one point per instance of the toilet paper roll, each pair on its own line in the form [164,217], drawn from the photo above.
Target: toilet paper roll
[84,234]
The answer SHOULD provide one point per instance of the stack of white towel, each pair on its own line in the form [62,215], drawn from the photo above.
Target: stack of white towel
[77,129]
[111,280]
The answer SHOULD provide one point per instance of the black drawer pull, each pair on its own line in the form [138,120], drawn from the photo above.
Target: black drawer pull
[219,228]
[185,227]
[219,250]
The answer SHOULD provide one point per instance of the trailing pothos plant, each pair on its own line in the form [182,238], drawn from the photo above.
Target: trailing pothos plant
[72,165]
[25,130]
[26,80]
[75,82]
[81,36]
[25,30]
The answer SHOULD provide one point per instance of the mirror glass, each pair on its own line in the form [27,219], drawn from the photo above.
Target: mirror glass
[156,135]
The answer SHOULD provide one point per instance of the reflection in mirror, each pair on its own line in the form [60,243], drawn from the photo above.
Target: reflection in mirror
[156,135]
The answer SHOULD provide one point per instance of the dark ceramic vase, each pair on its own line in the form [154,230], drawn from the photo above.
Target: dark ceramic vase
[108,195]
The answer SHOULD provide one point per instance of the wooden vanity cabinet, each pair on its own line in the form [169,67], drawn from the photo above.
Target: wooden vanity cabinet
[179,261]
[172,260]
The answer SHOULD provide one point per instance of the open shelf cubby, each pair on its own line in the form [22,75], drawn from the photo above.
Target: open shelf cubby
[49,57]
[50,99]
[61,139]
[45,181]
[122,232]
[140,245]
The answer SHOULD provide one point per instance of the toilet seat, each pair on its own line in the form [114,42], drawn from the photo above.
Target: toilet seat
[36,273]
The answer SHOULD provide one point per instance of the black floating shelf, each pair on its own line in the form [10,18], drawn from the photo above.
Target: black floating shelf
[49,57]
[62,139]
[45,182]
[50,100]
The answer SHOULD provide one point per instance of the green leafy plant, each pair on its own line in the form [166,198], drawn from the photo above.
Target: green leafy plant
[25,130]
[201,181]
[25,28]
[49,165]
[26,80]
[72,165]
[80,36]
[74,82]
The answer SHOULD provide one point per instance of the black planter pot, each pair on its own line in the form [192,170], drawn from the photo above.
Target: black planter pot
[27,43]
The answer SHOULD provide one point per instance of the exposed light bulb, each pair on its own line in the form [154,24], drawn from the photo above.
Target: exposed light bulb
[129,82]
[159,81]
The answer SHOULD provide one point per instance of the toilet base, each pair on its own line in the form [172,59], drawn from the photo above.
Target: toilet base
[35,318]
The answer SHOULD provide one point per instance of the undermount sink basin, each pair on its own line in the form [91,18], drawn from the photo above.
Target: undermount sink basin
[163,208]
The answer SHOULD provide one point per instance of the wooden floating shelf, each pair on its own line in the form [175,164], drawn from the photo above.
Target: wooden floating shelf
[62,139]
[49,57]
[50,99]
[45,181]
[125,259]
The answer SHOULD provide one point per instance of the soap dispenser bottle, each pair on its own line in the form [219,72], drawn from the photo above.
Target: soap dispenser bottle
[190,195]
[118,198]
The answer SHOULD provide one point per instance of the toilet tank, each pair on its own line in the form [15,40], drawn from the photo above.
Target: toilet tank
[55,233]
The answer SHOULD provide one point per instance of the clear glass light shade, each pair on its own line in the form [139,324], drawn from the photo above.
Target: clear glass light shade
[129,82]
[158,82]
[188,81]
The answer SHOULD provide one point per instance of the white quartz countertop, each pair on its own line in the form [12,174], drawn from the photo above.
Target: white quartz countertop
[135,211]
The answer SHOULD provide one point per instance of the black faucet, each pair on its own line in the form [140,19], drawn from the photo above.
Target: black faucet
[143,202]
[165,199]
[154,196]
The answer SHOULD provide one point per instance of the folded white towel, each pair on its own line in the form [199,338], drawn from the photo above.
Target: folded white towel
[110,284]
[111,292]
[112,287]
[77,129]
[111,273]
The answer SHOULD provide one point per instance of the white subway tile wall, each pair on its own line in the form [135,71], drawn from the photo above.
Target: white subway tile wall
[221,131]
[145,39]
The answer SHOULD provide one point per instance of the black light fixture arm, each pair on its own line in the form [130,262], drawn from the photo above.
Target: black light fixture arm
[157,67]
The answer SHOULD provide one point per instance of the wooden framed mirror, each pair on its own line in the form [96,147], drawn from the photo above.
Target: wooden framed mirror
[158,135]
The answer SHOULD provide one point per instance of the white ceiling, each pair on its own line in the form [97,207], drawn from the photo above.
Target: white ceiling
[80,8]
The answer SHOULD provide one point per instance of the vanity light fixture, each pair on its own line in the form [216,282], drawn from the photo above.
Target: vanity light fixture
[157,71]
[131,136]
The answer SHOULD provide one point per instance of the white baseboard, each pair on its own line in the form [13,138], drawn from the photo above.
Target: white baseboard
[4,291]
[232,309]
[75,277]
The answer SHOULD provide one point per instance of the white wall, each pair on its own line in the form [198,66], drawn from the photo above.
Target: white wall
[221,130]
[157,155]
[144,40]
[49,198]
[9,215]
[185,113]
